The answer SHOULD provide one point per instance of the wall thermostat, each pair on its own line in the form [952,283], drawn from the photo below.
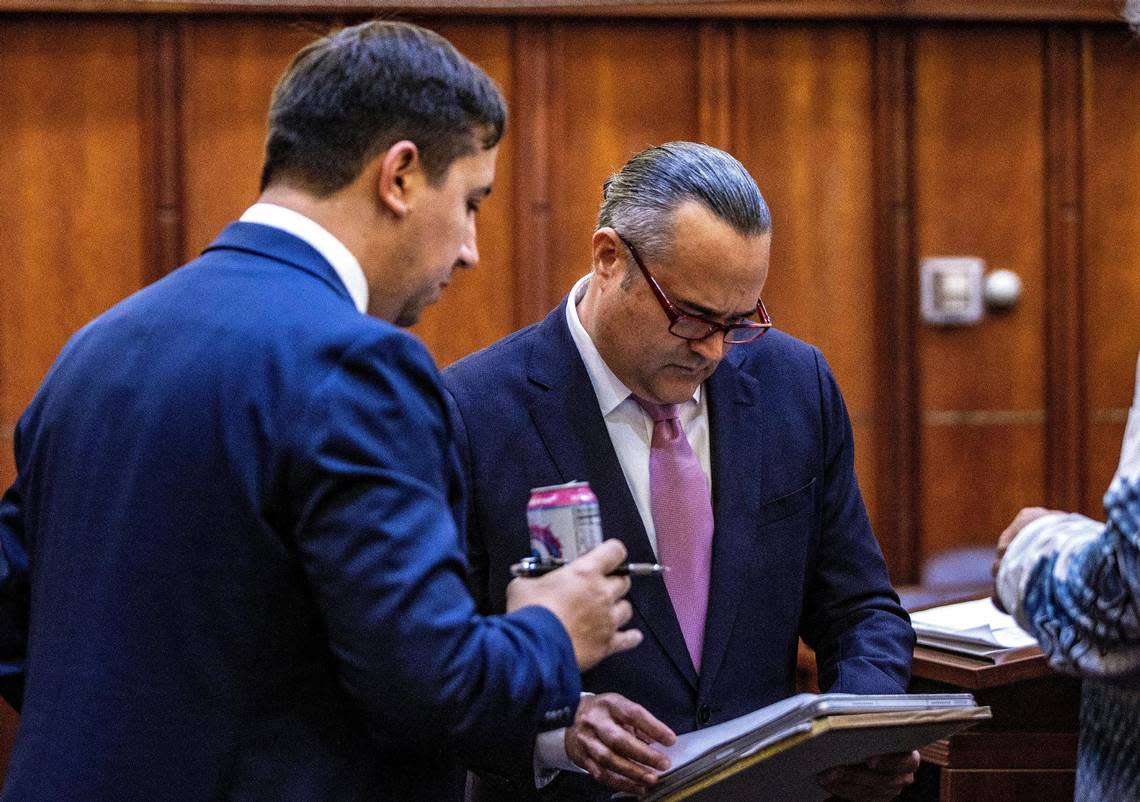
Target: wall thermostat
[952,290]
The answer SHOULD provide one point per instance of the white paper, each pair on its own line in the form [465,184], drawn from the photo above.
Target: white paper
[693,744]
[977,622]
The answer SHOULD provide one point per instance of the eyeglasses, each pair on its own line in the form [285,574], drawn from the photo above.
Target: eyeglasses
[698,327]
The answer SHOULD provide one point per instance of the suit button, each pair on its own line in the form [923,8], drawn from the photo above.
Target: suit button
[704,714]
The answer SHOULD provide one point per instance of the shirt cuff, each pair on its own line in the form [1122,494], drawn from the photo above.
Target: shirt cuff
[550,755]
[1056,533]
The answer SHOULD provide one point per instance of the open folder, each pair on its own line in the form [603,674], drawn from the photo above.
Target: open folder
[776,752]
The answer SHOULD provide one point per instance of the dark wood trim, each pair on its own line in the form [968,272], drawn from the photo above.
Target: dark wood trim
[164,230]
[1028,10]
[716,86]
[533,115]
[897,468]
[1066,397]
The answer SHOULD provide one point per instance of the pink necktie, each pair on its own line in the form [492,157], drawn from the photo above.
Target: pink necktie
[683,518]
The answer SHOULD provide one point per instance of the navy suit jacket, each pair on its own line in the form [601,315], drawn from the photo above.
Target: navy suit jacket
[231,565]
[793,551]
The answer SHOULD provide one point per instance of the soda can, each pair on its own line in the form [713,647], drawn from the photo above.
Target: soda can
[564,522]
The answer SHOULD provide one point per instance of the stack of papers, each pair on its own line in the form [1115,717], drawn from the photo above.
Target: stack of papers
[975,628]
[799,737]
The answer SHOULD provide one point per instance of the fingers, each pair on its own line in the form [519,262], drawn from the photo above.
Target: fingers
[609,739]
[624,640]
[621,612]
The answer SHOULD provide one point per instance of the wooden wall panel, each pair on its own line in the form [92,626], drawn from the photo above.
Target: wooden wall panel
[980,176]
[229,69]
[73,203]
[618,88]
[803,126]
[1111,247]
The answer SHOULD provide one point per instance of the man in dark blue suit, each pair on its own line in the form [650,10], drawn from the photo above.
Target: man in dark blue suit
[230,561]
[670,317]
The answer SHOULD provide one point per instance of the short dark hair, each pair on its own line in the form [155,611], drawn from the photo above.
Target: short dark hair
[351,95]
[639,199]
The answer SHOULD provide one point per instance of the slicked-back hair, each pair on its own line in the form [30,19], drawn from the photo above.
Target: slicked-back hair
[1132,14]
[639,199]
[351,95]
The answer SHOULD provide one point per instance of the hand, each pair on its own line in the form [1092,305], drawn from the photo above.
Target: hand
[612,738]
[587,602]
[1023,519]
[880,778]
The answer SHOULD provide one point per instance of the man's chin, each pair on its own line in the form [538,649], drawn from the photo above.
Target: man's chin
[408,317]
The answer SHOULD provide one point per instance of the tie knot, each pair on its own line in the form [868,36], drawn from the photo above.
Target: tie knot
[659,412]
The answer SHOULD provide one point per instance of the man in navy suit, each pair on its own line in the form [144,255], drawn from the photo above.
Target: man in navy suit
[230,561]
[670,315]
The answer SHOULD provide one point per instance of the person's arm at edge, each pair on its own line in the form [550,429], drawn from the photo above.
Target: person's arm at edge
[1049,565]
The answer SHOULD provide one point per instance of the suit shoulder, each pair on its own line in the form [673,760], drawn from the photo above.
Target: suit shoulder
[497,362]
[780,350]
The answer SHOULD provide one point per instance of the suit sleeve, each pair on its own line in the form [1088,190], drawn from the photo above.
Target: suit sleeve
[14,591]
[471,537]
[378,539]
[852,618]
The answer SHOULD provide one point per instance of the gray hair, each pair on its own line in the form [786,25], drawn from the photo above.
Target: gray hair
[1132,14]
[638,199]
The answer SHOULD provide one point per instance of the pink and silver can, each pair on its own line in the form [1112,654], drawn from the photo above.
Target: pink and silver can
[564,522]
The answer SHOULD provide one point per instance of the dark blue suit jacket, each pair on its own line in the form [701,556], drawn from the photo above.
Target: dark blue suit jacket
[793,551]
[231,566]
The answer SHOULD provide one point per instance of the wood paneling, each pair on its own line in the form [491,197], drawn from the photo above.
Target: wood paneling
[229,69]
[618,89]
[1065,394]
[73,199]
[980,176]
[1087,10]
[896,458]
[1111,247]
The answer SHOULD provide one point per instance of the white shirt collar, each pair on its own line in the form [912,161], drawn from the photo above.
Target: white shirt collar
[610,390]
[323,242]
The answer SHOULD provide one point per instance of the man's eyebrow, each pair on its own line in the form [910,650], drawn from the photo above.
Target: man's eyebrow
[481,192]
[706,312]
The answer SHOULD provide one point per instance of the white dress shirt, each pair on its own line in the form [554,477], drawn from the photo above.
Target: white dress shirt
[630,427]
[323,242]
[631,432]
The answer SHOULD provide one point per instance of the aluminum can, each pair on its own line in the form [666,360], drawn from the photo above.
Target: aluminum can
[564,522]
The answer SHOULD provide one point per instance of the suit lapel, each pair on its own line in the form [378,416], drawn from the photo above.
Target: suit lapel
[736,437]
[564,410]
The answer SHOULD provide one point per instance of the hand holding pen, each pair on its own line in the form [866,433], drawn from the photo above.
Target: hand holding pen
[530,567]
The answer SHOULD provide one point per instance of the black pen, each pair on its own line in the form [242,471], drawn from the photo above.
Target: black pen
[533,568]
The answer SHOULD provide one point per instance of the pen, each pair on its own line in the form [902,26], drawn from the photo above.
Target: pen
[532,568]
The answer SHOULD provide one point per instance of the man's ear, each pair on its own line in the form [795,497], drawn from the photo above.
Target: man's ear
[400,178]
[609,254]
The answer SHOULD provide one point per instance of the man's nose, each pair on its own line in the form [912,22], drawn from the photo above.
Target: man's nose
[713,348]
[468,251]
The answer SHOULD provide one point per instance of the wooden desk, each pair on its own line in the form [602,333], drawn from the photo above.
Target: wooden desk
[1027,751]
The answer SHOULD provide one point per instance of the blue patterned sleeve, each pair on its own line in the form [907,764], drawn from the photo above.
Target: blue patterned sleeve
[1083,603]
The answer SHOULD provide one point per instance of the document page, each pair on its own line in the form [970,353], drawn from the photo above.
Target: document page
[976,622]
